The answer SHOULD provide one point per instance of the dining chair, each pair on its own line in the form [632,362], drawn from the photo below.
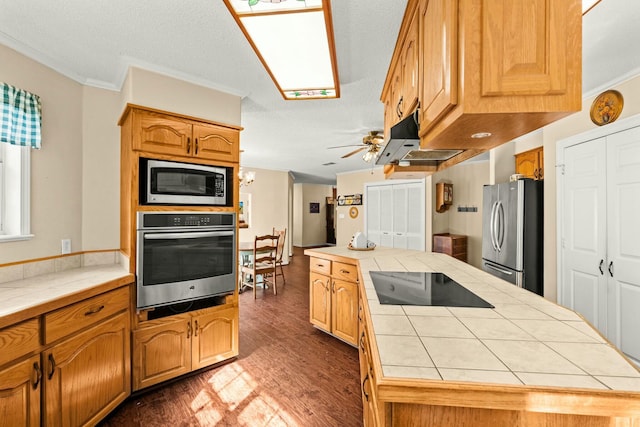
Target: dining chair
[282,234]
[263,264]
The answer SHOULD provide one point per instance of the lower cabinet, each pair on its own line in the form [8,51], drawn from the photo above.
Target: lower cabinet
[367,382]
[333,295]
[175,345]
[20,393]
[87,375]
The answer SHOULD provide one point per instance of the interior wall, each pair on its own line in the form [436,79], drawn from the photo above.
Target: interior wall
[313,225]
[149,89]
[269,205]
[352,183]
[297,215]
[569,126]
[100,169]
[468,180]
[502,164]
[56,169]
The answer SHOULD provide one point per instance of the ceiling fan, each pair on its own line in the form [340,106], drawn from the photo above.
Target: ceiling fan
[370,142]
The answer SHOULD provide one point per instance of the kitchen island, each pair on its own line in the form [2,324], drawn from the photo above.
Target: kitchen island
[527,361]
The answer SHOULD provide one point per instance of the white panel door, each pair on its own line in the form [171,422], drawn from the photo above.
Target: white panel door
[372,202]
[584,223]
[623,235]
[415,217]
[386,216]
[400,216]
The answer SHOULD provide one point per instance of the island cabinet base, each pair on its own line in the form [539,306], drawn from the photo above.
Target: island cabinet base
[404,414]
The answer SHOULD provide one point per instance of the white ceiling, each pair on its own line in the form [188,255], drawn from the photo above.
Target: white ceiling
[94,42]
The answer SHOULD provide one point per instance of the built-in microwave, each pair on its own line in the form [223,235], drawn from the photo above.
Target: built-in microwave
[165,182]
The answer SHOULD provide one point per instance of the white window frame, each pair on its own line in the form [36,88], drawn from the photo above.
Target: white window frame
[15,193]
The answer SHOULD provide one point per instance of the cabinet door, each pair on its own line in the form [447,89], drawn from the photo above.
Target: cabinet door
[415,235]
[386,216]
[88,375]
[320,300]
[216,142]
[161,351]
[438,61]
[20,393]
[372,218]
[215,337]
[409,63]
[397,106]
[162,134]
[528,163]
[344,315]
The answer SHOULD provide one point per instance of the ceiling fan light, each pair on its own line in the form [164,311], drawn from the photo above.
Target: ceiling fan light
[369,155]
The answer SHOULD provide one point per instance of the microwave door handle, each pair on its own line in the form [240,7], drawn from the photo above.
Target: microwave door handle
[195,235]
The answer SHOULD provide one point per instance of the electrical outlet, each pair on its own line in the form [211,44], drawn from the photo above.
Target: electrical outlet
[66,246]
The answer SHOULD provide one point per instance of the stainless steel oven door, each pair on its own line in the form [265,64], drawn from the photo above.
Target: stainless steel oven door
[175,266]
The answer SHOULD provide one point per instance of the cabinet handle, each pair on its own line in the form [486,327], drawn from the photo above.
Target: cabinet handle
[188,330]
[188,145]
[334,287]
[195,330]
[52,366]
[362,341]
[94,310]
[535,173]
[399,108]
[38,375]
[600,267]
[196,148]
[540,173]
[344,271]
[364,381]
[611,268]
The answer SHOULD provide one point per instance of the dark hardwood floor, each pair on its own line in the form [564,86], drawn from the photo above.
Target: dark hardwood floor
[287,374]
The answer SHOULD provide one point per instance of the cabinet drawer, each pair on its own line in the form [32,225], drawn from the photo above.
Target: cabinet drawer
[18,340]
[75,317]
[345,271]
[320,265]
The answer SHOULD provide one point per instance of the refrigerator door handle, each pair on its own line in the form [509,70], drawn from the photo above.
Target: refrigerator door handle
[500,228]
[494,241]
[508,273]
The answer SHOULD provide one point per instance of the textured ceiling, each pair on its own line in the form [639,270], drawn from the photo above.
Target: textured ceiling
[94,42]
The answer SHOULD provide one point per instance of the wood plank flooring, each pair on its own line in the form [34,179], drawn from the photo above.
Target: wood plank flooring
[287,374]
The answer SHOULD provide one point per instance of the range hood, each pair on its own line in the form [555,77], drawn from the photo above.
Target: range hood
[404,146]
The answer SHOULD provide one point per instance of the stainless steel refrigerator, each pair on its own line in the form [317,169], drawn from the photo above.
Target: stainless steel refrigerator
[512,232]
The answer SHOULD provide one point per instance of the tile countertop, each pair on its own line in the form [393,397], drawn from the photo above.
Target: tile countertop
[25,298]
[524,340]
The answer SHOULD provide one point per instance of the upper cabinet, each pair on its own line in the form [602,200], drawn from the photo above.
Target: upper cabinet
[488,71]
[170,135]
[531,163]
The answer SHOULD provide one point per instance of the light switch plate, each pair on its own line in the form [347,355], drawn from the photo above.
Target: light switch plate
[66,246]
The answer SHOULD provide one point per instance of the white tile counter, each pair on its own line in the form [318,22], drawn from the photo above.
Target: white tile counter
[525,340]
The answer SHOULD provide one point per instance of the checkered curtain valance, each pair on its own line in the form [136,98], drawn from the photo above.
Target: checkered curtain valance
[20,117]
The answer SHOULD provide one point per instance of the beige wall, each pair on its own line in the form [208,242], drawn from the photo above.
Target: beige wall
[467,180]
[75,176]
[56,169]
[352,183]
[269,204]
[311,228]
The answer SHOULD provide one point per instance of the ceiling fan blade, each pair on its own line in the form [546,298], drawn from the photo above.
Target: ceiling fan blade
[353,152]
[342,146]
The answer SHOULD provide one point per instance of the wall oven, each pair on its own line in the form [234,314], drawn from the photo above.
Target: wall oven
[184,256]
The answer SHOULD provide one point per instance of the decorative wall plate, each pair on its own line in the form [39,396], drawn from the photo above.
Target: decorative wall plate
[606,108]
[353,212]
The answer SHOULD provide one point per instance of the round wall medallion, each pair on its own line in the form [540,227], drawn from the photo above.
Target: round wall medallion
[353,212]
[606,108]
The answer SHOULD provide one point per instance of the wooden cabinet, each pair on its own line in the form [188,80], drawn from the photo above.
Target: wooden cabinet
[482,79]
[21,378]
[80,375]
[444,196]
[400,96]
[453,245]
[170,135]
[368,382]
[333,295]
[531,163]
[175,345]
[88,374]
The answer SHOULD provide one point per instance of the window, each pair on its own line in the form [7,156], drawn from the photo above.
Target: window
[15,163]
[20,130]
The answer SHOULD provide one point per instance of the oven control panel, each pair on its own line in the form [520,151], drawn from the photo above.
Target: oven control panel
[148,220]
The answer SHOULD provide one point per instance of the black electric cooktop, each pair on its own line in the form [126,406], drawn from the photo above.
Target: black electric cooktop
[420,288]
